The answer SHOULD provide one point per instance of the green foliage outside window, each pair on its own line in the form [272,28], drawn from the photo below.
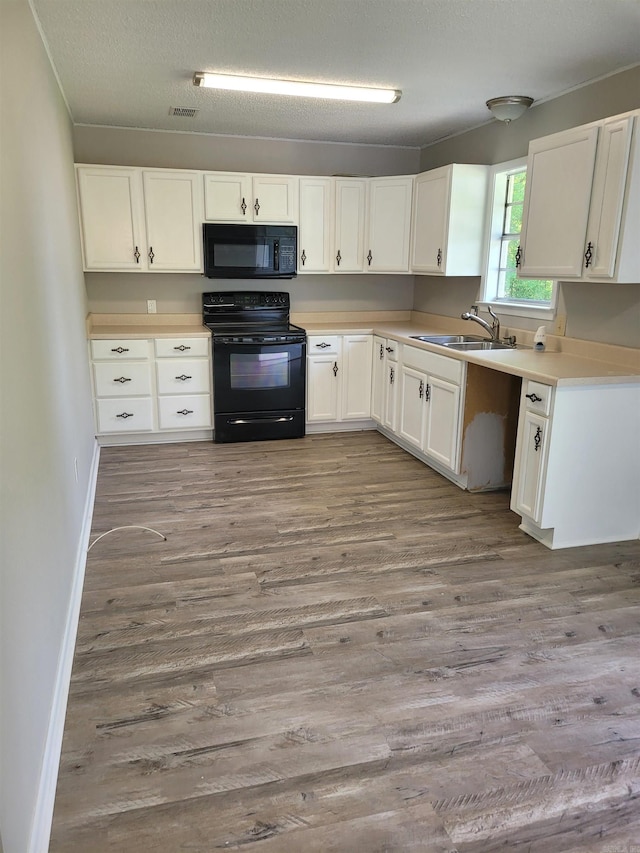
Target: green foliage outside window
[512,287]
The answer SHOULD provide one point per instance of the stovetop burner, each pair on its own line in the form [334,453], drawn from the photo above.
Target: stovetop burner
[249,315]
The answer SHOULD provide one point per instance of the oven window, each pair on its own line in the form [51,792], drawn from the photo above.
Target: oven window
[243,255]
[259,371]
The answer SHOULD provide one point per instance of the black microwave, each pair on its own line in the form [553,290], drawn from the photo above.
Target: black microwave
[250,251]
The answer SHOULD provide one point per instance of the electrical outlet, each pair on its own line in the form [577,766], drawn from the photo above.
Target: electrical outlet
[151,306]
[560,324]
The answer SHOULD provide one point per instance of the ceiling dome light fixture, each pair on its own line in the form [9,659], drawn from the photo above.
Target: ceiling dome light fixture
[299,88]
[509,107]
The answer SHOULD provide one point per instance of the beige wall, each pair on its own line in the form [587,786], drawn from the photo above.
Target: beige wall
[129,147]
[598,312]
[124,293]
[45,420]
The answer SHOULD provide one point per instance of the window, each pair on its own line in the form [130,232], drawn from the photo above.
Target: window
[501,286]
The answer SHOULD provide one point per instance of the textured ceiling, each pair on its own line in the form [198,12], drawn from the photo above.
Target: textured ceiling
[126,62]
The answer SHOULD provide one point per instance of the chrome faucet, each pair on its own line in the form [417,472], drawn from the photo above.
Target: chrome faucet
[493,329]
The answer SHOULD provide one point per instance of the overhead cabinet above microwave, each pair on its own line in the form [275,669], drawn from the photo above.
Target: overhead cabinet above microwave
[139,220]
[237,197]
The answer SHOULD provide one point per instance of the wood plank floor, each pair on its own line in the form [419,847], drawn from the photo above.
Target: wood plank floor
[336,649]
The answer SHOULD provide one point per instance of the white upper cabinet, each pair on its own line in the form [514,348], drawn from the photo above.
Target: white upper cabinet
[582,204]
[556,205]
[237,197]
[389,224]
[350,207]
[314,230]
[111,218]
[137,220]
[173,213]
[448,220]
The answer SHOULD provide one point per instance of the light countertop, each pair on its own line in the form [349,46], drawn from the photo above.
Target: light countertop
[552,368]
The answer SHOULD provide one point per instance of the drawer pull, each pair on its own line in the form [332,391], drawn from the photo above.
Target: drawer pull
[381,352]
[122,379]
[120,350]
[335,368]
[369,257]
[323,345]
[338,258]
[303,257]
[185,412]
[183,378]
[588,255]
[439,257]
[533,397]
[427,392]
[389,349]
[125,415]
[243,206]
[151,254]
[256,207]
[136,255]
[182,348]
[421,389]
[391,375]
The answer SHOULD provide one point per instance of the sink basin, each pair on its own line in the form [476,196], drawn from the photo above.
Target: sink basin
[447,340]
[466,346]
[465,343]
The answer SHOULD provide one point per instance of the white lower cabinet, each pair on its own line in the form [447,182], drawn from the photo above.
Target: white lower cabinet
[577,466]
[151,390]
[430,405]
[338,379]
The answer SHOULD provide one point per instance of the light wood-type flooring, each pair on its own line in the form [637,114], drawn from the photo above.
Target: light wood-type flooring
[338,650]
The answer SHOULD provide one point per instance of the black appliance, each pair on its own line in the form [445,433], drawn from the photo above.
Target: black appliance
[249,251]
[259,366]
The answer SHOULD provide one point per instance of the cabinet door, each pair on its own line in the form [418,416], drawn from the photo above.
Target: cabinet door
[556,205]
[442,430]
[528,475]
[173,216]
[430,217]
[378,379]
[228,197]
[412,416]
[356,376]
[111,218]
[350,198]
[314,236]
[607,197]
[275,199]
[323,388]
[389,224]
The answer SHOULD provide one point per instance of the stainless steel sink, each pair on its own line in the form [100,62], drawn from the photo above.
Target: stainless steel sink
[466,346]
[447,340]
[465,343]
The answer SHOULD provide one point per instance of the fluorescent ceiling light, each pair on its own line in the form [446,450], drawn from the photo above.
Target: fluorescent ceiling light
[297,88]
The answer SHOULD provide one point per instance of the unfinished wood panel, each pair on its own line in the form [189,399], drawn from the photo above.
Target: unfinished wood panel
[490,422]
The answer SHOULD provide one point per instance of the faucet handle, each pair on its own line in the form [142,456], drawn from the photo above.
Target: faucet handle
[474,308]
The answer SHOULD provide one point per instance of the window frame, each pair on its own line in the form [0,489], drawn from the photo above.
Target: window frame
[498,177]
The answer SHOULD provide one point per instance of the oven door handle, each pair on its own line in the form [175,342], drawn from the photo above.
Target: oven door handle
[268,420]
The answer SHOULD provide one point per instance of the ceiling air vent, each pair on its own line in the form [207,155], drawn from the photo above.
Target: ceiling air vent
[183,112]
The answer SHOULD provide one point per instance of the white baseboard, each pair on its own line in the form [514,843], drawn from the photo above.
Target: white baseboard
[43,815]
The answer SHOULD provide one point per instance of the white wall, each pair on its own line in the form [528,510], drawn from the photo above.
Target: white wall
[45,421]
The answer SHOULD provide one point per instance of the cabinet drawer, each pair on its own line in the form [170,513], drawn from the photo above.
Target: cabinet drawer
[181,347]
[323,344]
[184,412]
[538,397]
[450,369]
[183,376]
[392,350]
[134,414]
[122,350]
[131,379]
